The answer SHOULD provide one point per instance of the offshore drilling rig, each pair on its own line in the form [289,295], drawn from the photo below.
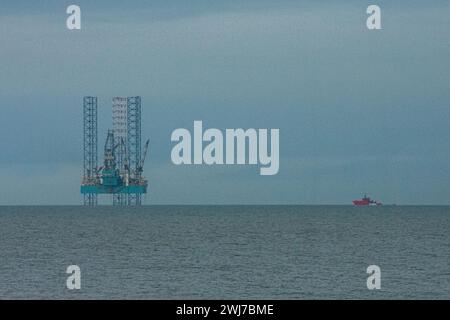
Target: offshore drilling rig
[121,174]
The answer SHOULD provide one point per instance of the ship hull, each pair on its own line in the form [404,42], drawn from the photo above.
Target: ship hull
[361,202]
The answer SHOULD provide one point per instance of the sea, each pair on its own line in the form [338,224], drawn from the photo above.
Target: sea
[225,252]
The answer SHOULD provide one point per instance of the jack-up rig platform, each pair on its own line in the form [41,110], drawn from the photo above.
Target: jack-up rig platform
[121,174]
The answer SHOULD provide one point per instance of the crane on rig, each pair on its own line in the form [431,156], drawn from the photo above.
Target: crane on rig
[109,179]
[140,167]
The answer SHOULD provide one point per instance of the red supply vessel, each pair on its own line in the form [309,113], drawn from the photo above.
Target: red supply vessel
[366,201]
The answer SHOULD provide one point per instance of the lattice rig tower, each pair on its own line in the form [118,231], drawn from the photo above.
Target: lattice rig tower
[122,169]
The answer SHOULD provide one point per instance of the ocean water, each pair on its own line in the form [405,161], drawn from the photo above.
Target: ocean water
[225,252]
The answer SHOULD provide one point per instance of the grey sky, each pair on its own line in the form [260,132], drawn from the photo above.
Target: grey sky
[358,110]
